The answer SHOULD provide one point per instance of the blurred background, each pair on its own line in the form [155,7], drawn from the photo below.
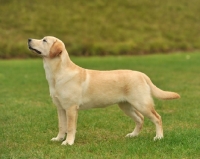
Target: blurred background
[100,27]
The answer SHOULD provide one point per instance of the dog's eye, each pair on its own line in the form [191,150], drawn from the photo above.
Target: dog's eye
[44,40]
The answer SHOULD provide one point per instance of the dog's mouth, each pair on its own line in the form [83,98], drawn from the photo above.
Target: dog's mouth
[35,50]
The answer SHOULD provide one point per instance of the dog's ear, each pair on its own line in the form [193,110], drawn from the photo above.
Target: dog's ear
[56,49]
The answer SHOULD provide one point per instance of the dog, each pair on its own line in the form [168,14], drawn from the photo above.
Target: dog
[73,88]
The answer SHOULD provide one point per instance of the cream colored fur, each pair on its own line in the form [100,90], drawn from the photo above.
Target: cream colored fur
[73,88]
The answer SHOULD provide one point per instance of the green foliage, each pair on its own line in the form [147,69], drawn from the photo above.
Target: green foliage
[96,27]
[28,119]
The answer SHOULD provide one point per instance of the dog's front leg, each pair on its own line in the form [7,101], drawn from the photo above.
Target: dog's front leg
[62,123]
[72,115]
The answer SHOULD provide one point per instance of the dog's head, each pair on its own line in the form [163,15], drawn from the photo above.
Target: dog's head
[47,47]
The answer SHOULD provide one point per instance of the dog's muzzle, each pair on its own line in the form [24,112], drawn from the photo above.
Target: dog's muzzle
[29,46]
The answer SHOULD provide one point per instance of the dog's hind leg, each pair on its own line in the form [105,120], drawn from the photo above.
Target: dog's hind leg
[146,108]
[130,111]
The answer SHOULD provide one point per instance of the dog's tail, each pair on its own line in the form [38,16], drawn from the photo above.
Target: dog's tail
[160,94]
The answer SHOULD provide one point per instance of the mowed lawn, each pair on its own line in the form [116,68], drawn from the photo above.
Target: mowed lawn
[28,119]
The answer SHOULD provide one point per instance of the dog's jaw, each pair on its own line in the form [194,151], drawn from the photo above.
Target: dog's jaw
[34,50]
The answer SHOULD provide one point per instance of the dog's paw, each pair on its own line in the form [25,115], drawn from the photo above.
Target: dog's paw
[57,139]
[131,135]
[157,137]
[67,142]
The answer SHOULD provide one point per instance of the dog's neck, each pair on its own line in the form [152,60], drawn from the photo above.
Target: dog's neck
[54,67]
[59,63]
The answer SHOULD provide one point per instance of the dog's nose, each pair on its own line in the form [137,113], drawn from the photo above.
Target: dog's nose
[29,40]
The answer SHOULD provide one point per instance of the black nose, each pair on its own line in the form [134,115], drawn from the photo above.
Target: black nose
[29,40]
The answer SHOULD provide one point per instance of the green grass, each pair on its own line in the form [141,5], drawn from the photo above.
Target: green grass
[96,27]
[28,119]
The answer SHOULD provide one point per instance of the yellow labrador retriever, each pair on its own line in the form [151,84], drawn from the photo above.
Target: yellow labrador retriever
[73,88]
